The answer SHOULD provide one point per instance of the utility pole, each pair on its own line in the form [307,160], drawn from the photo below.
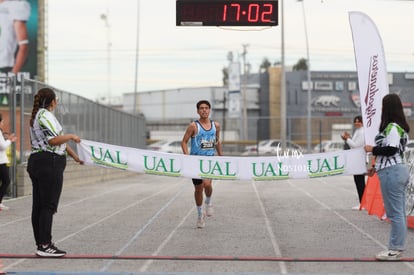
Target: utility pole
[309,120]
[244,88]
[283,81]
[105,18]
[134,108]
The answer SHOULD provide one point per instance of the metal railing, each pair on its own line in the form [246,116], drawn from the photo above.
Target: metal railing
[78,115]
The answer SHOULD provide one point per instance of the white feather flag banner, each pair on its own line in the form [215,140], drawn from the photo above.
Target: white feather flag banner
[372,71]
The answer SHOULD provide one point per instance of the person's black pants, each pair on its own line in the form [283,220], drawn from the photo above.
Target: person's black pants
[5,180]
[6,69]
[360,185]
[46,172]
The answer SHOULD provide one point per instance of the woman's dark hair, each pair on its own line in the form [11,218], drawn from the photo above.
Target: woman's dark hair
[203,102]
[1,117]
[359,118]
[392,111]
[42,99]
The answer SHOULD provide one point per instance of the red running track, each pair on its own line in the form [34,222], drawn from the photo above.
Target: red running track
[194,258]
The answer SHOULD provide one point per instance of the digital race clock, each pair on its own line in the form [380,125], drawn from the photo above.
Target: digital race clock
[226,13]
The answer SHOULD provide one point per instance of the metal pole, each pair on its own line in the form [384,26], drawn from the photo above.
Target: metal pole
[13,131]
[136,62]
[224,116]
[245,137]
[22,156]
[320,135]
[309,133]
[105,18]
[283,81]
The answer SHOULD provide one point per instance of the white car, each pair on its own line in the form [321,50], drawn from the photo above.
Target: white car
[410,145]
[329,146]
[270,147]
[168,146]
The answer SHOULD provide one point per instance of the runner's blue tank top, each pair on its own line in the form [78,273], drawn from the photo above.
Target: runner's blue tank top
[204,142]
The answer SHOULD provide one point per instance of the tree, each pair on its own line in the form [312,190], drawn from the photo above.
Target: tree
[301,65]
[265,65]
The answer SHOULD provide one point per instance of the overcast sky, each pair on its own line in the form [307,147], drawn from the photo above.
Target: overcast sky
[174,57]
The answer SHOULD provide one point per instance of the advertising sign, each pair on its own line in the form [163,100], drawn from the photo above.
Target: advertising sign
[19,22]
[372,71]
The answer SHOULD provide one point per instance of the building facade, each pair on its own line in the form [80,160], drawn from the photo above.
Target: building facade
[334,100]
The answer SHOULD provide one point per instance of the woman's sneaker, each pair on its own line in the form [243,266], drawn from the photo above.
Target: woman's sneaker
[389,255]
[49,251]
[3,207]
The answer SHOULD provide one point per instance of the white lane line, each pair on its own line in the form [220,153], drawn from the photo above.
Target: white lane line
[99,221]
[8,267]
[146,265]
[63,205]
[276,248]
[142,229]
[113,214]
[343,188]
[366,234]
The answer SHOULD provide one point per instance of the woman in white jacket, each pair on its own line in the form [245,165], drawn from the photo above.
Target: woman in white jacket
[355,141]
[4,169]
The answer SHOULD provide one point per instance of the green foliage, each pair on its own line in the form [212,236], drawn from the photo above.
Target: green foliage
[301,65]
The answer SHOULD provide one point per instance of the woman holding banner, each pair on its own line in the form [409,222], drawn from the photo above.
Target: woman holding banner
[392,172]
[45,167]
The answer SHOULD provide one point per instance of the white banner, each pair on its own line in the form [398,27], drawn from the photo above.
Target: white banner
[286,165]
[372,71]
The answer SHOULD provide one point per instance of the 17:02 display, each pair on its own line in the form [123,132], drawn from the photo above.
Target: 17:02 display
[226,13]
[253,13]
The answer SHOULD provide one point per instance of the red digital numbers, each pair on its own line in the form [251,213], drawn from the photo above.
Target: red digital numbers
[226,13]
[252,13]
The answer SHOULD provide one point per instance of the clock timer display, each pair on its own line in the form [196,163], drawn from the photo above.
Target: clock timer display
[226,13]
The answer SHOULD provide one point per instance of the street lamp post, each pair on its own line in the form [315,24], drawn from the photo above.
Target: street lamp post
[309,86]
[105,18]
[136,62]
[244,88]
[283,80]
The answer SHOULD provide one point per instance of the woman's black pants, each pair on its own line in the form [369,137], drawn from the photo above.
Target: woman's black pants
[360,185]
[5,180]
[46,172]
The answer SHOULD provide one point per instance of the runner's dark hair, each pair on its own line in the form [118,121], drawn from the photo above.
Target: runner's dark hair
[203,102]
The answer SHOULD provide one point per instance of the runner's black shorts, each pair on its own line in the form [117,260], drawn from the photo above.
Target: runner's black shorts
[197,181]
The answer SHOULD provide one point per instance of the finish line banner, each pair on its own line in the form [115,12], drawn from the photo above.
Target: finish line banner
[286,165]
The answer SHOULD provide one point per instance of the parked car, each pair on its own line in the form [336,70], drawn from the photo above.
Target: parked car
[410,145]
[168,146]
[329,146]
[270,147]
